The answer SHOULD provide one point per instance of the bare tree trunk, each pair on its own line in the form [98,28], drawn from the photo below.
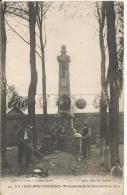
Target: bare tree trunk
[103,122]
[103,107]
[113,78]
[33,82]
[43,72]
[42,49]
[3,84]
[40,28]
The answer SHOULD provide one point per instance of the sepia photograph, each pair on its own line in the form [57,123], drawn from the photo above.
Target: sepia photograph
[61,96]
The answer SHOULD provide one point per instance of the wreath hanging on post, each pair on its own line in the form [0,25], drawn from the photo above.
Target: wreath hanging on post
[103,98]
[64,103]
[80,103]
[96,102]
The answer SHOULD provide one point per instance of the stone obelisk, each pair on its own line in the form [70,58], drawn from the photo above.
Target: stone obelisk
[64,77]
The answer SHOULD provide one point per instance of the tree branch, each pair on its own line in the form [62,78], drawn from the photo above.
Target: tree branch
[21,37]
[17,15]
[45,41]
[18,9]
[4,7]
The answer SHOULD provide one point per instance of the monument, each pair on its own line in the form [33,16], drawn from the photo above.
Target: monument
[64,77]
[64,100]
[67,133]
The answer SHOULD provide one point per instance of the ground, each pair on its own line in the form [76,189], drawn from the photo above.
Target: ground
[59,163]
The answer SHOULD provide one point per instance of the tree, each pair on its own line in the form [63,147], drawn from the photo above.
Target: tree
[28,12]
[41,12]
[103,100]
[3,40]
[113,82]
[119,10]
[33,83]
[20,10]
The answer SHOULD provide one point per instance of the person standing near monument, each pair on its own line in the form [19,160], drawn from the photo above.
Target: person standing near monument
[89,142]
[85,140]
[24,139]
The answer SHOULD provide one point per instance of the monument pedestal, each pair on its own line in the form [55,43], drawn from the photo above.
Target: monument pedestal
[69,144]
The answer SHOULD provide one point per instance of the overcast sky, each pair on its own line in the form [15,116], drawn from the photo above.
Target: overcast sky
[75,26]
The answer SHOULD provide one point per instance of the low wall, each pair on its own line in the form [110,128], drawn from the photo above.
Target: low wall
[15,122]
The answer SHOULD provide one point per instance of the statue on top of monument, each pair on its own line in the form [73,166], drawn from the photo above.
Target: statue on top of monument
[63,48]
[63,57]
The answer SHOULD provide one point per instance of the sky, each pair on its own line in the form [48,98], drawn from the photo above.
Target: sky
[73,24]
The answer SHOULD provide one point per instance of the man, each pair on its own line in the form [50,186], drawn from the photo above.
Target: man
[89,142]
[24,138]
[85,140]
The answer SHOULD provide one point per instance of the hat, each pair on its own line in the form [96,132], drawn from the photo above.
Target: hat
[85,123]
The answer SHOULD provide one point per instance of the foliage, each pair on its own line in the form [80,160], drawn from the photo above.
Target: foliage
[16,101]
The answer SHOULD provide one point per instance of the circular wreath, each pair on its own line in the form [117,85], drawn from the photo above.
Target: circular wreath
[64,103]
[80,103]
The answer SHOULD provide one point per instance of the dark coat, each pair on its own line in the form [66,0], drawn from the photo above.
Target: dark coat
[85,131]
[20,136]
